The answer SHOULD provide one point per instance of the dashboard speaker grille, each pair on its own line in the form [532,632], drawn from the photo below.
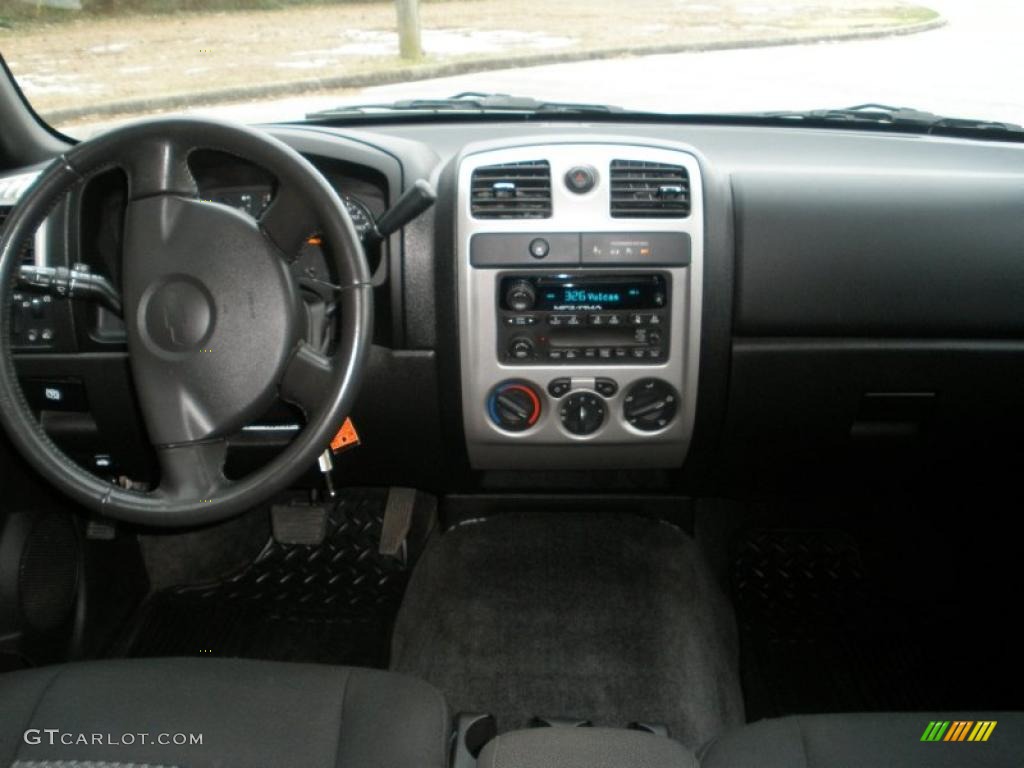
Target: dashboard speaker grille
[512,191]
[646,190]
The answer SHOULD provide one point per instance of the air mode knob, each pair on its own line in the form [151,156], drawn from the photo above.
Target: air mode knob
[582,413]
[520,296]
[514,406]
[650,404]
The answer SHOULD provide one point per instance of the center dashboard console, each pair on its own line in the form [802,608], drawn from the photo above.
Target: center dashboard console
[579,302]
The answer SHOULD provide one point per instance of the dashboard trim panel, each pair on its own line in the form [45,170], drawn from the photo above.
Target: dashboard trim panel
[548,444]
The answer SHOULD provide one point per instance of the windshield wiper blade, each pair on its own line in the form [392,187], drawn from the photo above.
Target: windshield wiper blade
[469,101]
[900,117]
[862,113]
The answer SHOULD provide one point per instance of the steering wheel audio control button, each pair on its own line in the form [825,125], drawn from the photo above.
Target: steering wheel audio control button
[514,406]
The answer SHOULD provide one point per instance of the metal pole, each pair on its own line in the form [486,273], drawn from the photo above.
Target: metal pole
[409,29]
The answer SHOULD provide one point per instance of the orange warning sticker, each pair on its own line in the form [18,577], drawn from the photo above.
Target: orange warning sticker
[346,437]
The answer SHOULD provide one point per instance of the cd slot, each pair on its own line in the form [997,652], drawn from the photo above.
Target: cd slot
[623,337]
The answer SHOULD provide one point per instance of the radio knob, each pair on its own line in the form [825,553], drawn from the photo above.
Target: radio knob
[520,296]
[514,406]
[520,349]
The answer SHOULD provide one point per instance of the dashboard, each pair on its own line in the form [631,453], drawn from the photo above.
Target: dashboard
[255,200]
[245,187]
[621,304]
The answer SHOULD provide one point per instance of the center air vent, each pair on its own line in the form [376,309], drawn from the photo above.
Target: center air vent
[512,191]
[28,254]
[643,190]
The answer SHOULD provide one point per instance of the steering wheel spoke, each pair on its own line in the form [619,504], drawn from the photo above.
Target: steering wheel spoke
[288,221]
[306,381]
[159,166]
[192,471]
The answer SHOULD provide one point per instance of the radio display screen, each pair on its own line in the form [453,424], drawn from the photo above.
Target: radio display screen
[646,293]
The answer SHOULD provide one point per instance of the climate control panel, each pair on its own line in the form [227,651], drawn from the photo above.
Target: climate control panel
[582,406]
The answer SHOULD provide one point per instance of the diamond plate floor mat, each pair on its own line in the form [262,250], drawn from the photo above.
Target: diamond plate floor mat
[822,632]
[333,602]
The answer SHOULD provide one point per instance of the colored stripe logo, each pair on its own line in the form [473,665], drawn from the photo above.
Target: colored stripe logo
[958,730]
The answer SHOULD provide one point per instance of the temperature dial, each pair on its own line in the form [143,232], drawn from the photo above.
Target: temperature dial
[514,406]
[582,413]
[650,404]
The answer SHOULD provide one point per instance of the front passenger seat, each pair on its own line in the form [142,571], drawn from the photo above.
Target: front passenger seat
[891,740]
[248,714]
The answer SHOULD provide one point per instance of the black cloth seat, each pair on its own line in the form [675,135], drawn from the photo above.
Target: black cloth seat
[249,713]
[888,740]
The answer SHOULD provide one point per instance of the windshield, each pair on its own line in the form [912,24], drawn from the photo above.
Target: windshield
[88,64]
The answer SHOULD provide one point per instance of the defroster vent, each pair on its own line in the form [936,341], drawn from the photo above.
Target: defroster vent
[512,191]
[645,190]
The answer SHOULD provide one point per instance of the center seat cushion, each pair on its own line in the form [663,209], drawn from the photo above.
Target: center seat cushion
[882,740]
[584,748]
[250,713]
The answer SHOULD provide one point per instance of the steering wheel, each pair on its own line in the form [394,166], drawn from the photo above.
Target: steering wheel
[213,314]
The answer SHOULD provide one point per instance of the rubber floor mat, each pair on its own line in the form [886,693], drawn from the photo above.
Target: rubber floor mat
[334,602]
[611,618]
[819,633]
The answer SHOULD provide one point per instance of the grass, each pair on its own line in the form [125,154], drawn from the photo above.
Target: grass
[87,61]
[20,14]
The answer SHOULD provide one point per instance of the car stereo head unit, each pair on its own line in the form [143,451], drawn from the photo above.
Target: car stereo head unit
[567,294]
[568,318]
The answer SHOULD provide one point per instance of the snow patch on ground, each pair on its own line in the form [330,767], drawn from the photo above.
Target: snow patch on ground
[110,48]
[436,42]
[765,10]
[40,83]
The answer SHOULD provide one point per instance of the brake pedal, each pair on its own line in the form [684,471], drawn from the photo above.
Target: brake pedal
[299,524]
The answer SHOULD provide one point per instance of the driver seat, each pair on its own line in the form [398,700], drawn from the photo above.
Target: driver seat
[247,713]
